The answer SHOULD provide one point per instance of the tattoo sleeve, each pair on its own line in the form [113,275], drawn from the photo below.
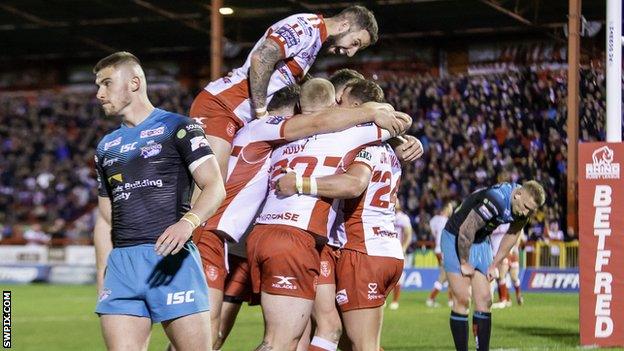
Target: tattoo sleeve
[263,62]
[467,232]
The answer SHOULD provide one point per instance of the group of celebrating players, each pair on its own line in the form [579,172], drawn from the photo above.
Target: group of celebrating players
[294,206]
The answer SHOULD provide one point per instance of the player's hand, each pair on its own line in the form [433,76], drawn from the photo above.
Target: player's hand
[410,150]
[385,119]
[492,272]
[287,184]
[467,270]
[174,238]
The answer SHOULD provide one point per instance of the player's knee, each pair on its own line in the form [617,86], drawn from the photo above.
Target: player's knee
[461,299]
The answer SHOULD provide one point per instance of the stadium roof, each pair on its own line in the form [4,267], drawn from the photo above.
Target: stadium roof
[63,29]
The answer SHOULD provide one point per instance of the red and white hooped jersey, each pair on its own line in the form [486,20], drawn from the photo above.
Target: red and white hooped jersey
[247,178]
[300,38]
[437,224]
[317,156]
[369,218]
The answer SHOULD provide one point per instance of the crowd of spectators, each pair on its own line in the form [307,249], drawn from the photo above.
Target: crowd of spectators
[475,130]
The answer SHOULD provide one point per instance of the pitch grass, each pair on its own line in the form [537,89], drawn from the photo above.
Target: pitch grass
[58,317]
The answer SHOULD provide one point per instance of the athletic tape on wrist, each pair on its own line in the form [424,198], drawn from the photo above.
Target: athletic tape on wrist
[313,186]
[299,183]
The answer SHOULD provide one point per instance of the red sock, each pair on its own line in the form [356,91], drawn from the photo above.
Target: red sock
[503,292]
[397,293]
[518,291]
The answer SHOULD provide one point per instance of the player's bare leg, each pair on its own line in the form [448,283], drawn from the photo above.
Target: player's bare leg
[229,311]
[363,327]
[216,303]
[514,272]
[460,287]
[481,318]
[285,319]
[306,337]
[503,292]
[328,323]
[221,149]
[189,332]
[123,332]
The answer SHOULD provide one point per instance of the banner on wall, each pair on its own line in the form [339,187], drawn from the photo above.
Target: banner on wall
[601,249]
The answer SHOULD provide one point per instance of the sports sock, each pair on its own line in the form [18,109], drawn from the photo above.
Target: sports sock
[320,344]
[503,292]
[437,286]
[397,293]
[459,329]
[482,328]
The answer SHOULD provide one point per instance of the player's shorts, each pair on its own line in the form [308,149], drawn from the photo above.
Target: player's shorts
[283,260]
[217,118]
[329,258]
[365,281]
[238,281]
[212,250]
[139,282]
[480,254]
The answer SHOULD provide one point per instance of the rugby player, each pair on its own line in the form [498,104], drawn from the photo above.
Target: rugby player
[437,224]
[509,265]
[281,57]
[283,248]
[148,270]
[467,254]
[403,227]
[341,78]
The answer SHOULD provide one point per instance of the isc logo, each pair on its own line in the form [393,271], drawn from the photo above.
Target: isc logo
[128,147]
[180,297]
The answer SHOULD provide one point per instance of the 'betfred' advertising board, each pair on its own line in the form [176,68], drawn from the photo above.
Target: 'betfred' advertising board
[601,250]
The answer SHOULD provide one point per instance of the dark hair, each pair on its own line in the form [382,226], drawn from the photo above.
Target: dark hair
[114,60]
[362,18]
[288,96]
[366,91]
[343,76]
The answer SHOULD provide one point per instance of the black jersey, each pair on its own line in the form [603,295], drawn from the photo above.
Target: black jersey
[146,173]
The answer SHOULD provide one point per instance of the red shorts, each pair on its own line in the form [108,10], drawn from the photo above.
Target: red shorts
[283,260]
[329,258]
[212,251]
[237,283]
[218,119]
[513,257]
[365,281]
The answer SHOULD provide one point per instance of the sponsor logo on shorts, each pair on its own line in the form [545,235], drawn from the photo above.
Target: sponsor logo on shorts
[373,294]
[325,269]
[212,273]
[112,143]
[197,142]
[104,294]
[151,149]
[284,282]
[231,129]
[152,132]
[179,297]
[341,297]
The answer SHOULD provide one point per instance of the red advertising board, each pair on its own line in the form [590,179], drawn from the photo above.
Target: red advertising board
[601,249]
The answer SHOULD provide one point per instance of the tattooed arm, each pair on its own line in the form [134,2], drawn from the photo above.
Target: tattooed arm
[467,232]
[263,61]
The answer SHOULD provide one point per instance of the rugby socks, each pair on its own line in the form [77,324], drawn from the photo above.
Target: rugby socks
[397,293]
[437,286]
[482,328]
[516,285]
[503,292]
[459,329]
[320,344]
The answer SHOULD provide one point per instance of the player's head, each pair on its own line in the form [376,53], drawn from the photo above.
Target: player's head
[361,91]
[317,94]
[120,81]
[341,78]
[284,101]
[526,199]
[447,210]
[357,29]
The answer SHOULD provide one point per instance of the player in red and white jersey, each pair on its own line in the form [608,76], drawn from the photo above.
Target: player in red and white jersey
[281,57]
[437,223]
[283,248]
[247,180]
[403,227]
[509,265]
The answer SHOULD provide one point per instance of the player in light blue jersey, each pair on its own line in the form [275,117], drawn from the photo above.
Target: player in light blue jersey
[148,269]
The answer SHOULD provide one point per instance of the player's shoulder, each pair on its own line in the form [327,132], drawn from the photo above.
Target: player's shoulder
[112,138]
[304,19]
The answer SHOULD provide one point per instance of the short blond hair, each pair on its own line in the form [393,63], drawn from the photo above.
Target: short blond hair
[317,93]
[116,59]
[536,191]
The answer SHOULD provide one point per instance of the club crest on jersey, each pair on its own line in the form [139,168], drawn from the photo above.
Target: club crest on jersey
[151,149]
[197,142]
[112,143]
[152,132]
[275,119]
[325,269]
